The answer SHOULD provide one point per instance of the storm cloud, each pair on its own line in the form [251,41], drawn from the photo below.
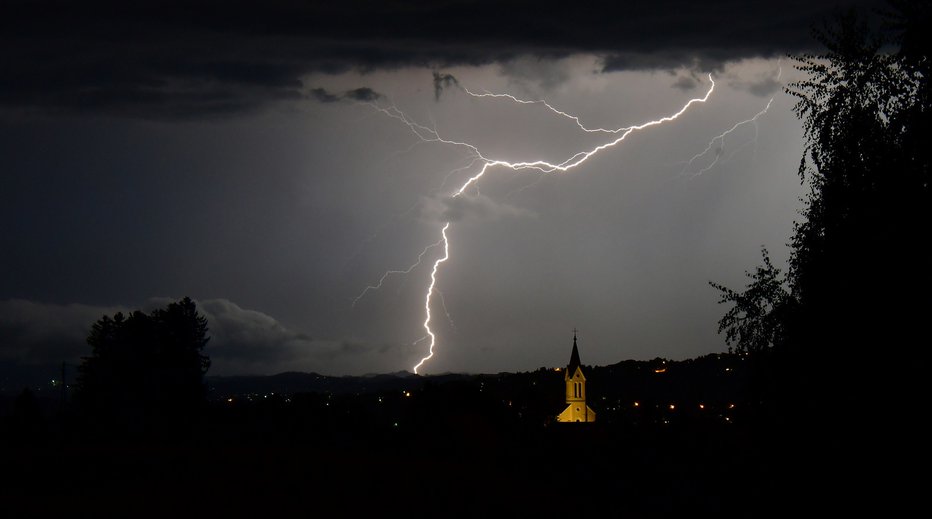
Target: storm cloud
[38,333]
[178,60]
[362,94]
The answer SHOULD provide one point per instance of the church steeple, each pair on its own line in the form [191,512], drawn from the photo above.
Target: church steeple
[574,357]
[576,408]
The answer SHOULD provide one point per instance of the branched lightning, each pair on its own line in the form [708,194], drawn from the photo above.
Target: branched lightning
[720,138]
[443,303]
[552,109]
[427,134]
[388,273]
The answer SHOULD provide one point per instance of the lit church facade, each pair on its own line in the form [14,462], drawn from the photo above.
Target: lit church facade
[576,408]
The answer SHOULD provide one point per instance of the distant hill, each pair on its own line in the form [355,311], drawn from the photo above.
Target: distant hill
[718,382]
[714,381]
[296,382]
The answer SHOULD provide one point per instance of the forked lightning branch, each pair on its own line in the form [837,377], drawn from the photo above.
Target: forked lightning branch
[484,164]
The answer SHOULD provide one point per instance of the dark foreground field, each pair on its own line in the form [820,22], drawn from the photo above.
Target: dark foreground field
[467,471]
[689,439]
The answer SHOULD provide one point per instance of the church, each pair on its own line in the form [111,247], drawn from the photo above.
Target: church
[576,408]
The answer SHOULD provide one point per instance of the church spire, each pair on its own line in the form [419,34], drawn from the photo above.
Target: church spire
[576,408]
[574,357]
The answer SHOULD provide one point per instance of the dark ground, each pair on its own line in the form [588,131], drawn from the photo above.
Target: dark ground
[472,446]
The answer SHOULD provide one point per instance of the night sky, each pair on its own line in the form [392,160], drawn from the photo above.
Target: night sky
[238,156]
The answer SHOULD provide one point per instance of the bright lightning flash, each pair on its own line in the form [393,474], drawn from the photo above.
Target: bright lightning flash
[426,134]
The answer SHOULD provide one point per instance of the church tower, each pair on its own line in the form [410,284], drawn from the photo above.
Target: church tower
[576,408]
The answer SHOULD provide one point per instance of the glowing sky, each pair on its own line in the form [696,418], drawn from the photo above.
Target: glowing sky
[275,211]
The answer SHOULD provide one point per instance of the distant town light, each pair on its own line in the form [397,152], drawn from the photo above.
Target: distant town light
[672,407]
[701,406]
[731,406]
[660,370]
[637,404]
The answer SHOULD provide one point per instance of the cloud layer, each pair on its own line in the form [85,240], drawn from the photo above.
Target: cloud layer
[475,208]
[183,59]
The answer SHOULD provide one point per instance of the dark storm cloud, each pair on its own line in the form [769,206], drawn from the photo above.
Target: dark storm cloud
[761,86]
[181,59]
[364,94]
[442,81]
[324,96]
[687,82]
[249,341]
[37,333]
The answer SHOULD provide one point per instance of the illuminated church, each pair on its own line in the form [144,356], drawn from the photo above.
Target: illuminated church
[576,408]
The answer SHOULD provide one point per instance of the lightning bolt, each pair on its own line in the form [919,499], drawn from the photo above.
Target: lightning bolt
[430,292]
[393,272]
[428,134]
[720,138]
[552,109]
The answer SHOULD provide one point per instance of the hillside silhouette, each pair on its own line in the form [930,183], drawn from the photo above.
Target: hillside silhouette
[468,442]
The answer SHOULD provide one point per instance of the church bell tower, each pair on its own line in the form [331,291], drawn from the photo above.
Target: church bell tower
[576,408]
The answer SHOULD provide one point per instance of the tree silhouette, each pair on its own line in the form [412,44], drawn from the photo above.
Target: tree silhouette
[845,325]
[145,367]
[856,292]
[756,321]
[856,256]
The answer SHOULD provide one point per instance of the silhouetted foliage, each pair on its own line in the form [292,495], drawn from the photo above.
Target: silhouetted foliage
[856,252]
[756,321]
[846,329]
[145,366]
[858,275]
